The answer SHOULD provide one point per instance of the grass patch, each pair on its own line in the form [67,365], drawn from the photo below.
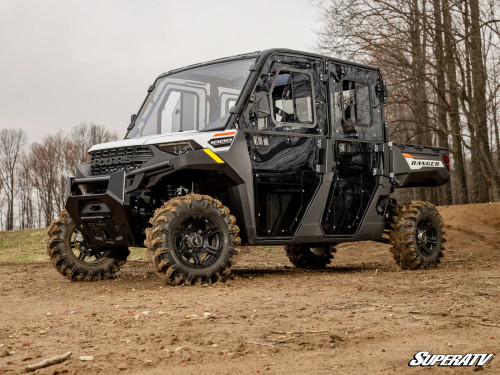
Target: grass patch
[28,245]
[137,253]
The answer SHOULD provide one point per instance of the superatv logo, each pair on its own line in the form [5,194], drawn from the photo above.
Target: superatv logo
[221,142]
[418,162]
[455,360]
[112,160]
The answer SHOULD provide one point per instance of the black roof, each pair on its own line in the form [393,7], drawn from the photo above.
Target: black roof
[268,52]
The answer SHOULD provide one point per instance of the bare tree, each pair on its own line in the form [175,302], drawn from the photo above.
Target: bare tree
[53,158]
[83,137]
[48,159]
[26,200]
[436,55]
[11,143]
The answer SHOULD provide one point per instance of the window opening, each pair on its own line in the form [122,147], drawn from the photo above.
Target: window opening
[292,99]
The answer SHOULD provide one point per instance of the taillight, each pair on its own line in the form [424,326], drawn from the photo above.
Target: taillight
[446,161]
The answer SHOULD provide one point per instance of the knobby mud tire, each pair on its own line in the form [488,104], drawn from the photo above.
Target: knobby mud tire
[404,235]
[308,257]
[66,262]
[160,240]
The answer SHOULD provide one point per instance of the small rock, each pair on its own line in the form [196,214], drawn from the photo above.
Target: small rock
[161,312]
[145,313]
[179,348]
[86,358]
[148,361]
[188,316]
[49,314]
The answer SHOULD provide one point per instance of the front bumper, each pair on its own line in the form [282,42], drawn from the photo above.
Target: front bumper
[105,218]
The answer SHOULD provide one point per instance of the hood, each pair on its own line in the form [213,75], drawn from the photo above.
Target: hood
[216,140]
[144,140]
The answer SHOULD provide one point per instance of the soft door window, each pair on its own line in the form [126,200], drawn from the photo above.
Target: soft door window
[292,99]
[356,103]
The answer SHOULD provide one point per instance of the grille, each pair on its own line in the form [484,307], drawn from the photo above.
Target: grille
[105,162]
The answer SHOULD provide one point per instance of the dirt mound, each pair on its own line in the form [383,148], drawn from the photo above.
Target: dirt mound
[361,315]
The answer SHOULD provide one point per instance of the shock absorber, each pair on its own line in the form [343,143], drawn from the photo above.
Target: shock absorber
[171,192]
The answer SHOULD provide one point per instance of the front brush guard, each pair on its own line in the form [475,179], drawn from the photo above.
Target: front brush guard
[104,219]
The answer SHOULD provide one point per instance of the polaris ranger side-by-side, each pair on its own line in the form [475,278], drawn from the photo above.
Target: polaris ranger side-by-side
[269,148]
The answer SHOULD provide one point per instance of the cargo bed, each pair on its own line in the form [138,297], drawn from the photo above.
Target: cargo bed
[416,165]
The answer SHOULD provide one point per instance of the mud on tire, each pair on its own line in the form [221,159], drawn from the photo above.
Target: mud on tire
[417,235]
[74,259]
[306,256]
[193,239]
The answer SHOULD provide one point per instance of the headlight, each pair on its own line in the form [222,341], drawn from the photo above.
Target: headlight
[179,148]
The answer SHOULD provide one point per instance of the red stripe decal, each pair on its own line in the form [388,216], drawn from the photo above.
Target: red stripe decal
[223,134]
[413,156]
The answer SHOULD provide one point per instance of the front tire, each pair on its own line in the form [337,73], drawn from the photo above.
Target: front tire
[417,236]
[305,256]
[192,240]
[77,260]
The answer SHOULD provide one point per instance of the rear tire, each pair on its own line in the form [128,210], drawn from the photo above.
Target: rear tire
[305,256]
[417,236]
[75,259]
[192,240]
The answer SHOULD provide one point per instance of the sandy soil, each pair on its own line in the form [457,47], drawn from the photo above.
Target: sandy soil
[362,315]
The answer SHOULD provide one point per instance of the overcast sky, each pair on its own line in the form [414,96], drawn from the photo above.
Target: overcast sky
[63,62]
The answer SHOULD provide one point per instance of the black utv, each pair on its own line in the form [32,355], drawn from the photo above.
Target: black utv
[269,148]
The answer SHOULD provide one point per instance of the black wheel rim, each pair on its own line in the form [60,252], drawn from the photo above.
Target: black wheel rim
[82,251]
[198,241]
[426,236]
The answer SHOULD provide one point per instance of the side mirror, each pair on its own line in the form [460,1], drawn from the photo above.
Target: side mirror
[261,106]
[132,119]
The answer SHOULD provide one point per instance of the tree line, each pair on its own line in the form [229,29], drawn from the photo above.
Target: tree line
[32,176]
[442,60]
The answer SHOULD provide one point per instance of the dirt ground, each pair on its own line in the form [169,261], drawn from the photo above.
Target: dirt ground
[361,315]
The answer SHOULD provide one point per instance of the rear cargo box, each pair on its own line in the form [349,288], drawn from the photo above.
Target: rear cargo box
[415,165]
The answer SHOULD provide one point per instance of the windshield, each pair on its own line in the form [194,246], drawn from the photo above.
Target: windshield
[193,99]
